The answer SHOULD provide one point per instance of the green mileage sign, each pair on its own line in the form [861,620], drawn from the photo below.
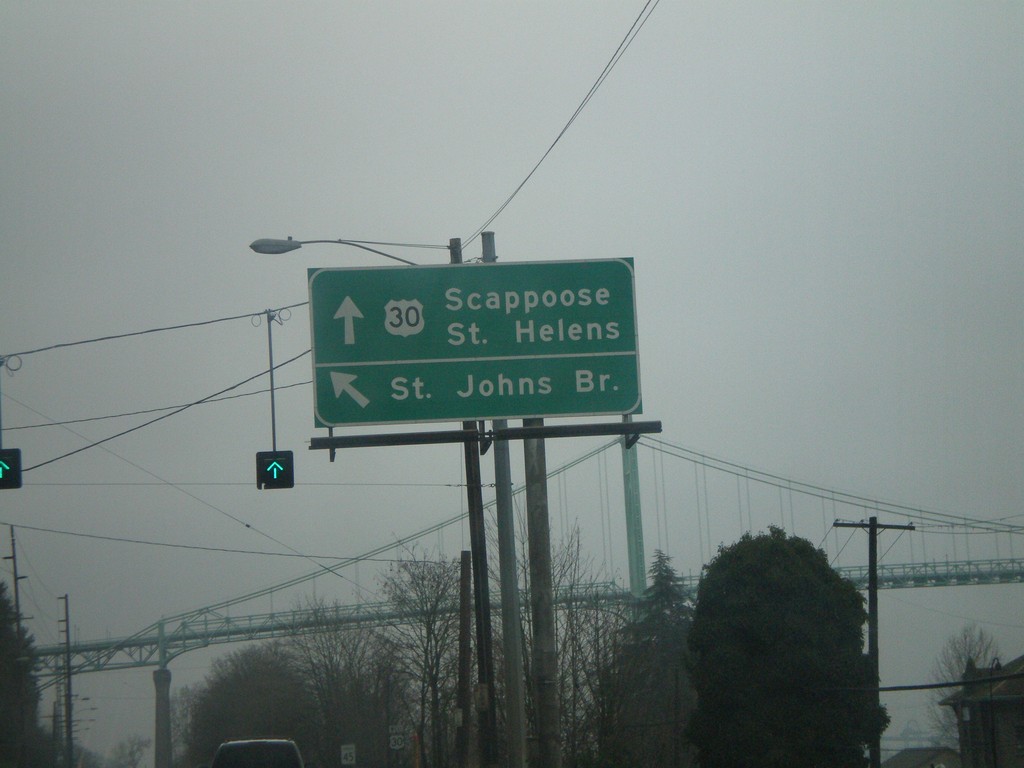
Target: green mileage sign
[474,341]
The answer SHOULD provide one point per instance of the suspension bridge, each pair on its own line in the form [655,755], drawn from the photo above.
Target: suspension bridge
[160,642]
[724,499]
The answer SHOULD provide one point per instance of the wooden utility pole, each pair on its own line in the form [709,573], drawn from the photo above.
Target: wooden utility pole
[463,738]
[21,696]
[487,725]
[873,527]
[545,658]
[69,725]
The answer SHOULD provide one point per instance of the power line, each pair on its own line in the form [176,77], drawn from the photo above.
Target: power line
[196,547]
[817,491]
[634,30]
[225,513]
[143,333]
[148,411]
[161,418]
[339,484]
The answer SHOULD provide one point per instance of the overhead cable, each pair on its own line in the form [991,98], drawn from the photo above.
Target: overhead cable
[143,333]
[634,29]
[147,411]
[817,491]
[197,547]
[164,416]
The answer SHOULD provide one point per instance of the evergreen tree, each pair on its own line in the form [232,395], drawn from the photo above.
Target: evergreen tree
[648,690]
[18,694]
[777,660]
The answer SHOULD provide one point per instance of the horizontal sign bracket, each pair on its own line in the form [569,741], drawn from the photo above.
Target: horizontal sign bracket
[631,430]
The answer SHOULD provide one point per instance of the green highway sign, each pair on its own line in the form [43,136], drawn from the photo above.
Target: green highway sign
[473,341]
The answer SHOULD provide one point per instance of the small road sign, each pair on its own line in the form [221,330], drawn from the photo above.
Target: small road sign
[348,754]
[474,341]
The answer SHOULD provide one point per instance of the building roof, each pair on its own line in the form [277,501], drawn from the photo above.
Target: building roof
[1006,682]
[924,757]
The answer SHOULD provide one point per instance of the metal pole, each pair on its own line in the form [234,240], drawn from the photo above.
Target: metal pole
[545,657]
[634,520]
[3,364]
[511,621]
[270,351]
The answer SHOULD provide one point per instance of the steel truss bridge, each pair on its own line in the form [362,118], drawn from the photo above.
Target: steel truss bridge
[158,644]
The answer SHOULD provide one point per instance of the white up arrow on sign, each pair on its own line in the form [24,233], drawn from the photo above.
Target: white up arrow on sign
[349,311]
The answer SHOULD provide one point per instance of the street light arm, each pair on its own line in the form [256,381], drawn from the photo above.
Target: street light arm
[274,247]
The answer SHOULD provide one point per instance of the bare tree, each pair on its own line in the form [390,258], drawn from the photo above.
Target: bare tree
[588,630]
[971,646]
[129,752]
[254,691]
[346,670]
[423,646]
[182,703]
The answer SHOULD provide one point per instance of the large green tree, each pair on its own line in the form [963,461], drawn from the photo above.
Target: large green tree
[777,660]
[19,737]
[649,686]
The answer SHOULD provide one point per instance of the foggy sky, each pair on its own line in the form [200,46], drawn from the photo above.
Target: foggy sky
[823,201]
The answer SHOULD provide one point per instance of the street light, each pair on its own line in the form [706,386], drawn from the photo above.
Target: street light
[472,456]
[274,247]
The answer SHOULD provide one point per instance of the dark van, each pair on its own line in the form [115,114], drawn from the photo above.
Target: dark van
[258,753]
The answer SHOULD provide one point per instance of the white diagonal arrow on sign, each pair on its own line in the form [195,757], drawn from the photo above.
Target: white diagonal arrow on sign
[343,383]
[349,311]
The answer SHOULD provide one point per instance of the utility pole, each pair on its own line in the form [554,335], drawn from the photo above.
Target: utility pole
[544,669]
[488,723]
[463,739]
[873,527]
[511,623]
[69,741]
[20,694]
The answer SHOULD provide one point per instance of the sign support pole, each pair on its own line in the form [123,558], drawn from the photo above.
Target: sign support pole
[481,592]
[271,316]
[544,669]
[634,520]
[511,622]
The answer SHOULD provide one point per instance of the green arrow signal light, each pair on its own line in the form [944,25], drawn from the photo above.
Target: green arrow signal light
[10,468]
[275,469]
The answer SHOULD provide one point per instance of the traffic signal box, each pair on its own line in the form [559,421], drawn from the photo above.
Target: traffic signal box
[275,469]
[10,468]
